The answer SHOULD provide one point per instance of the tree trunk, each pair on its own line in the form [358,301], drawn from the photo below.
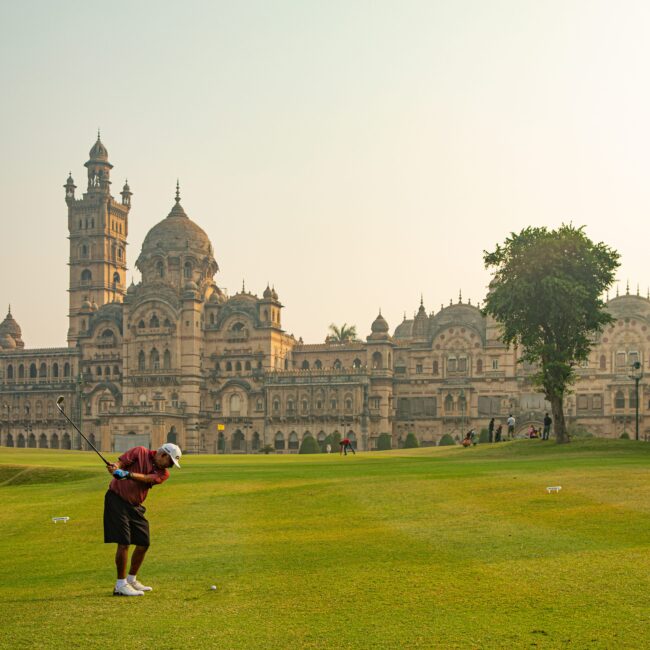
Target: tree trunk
[559,425]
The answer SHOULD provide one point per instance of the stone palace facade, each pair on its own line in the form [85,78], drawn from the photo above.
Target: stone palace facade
[174,358]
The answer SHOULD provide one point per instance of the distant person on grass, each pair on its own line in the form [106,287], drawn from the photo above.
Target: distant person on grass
[547,427]
[499,433]
[345,444]
[134,474]
[491,430]
[511,426]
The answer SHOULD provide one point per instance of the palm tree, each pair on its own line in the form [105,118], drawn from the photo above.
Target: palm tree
[342,334]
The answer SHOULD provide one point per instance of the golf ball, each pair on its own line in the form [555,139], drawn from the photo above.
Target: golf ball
[214,587]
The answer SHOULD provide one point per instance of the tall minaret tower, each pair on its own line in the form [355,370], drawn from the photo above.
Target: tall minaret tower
[98,226]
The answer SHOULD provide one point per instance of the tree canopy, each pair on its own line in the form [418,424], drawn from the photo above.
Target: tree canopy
[343,334]
[547,296]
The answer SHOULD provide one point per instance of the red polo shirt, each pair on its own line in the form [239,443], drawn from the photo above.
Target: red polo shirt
[345,441]
[140,461]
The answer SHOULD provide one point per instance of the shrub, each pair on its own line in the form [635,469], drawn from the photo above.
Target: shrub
[309,445]
[411,441]
[384,442]
[267,449]
[446,440]
[625,435]
[484,436]
[332,440]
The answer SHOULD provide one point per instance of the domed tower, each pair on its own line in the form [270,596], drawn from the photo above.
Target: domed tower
[177,253]
[10,333]
[98,227]
[380,390]
[421,323]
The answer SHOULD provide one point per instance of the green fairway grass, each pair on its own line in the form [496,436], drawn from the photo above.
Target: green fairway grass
[422,548]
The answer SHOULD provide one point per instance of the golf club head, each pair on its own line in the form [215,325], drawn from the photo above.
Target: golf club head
[60,403]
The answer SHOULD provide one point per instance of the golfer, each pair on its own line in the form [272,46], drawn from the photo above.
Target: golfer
[345,444]
[134,474]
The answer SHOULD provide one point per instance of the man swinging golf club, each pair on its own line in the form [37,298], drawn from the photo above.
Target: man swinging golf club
[134,474]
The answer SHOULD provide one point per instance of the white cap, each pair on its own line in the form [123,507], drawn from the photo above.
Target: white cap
[173,451]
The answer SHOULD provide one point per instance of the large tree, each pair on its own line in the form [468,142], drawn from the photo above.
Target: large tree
[344,333]
[546,294]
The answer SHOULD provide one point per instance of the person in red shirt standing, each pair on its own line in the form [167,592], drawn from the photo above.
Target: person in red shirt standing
[134,474]
[345,445]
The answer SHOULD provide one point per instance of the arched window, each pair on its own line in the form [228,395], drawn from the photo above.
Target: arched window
[290,405]
[377,361]
[154,322]
[167,323]
[348,403]
[141,325]
[86,276]
[356,363]
[65,441]
[305,405]
[462,404]
[107,371]
[98,371]
[479,366]
[279,441]
[318,364]
[84,250]
[212,319]
[21,371]
[32,371]
[228,366]
[42,371]
[276,405]
[66,369]
[237,327]
[31,441]
[116,279]
[619,400]
[434,368]
[238,442]
[238,366]
[160,269]
[154,359]
[167,360]
[55,370]
[603,362]
[175,400]
[449,403]
[235,403]
[116,370]
[42,441]
[255,443]
[187,271]
[54,441]
[293,440]
[451,364]
[10,371]
[337,365]
[141,361]
[305,365]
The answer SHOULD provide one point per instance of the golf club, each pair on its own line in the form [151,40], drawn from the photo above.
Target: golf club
[59,404]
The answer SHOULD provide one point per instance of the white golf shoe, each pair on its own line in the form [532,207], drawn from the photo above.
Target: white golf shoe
[136,584]
[127,590]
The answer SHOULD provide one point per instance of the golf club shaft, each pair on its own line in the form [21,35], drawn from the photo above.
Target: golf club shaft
[81,434]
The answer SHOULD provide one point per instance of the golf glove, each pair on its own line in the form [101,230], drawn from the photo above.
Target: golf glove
[121,474]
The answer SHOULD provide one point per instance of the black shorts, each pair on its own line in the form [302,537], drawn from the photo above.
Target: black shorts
[124,523]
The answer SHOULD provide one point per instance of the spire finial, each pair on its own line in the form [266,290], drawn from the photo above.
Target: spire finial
[617,291]
[9,309]
[460,296]
[243,286]
[405,315]
[637,288]
[627,288]
[380,311]
[178,191]
[421,300]
[99,135]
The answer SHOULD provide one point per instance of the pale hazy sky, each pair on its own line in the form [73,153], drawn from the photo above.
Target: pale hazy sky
[353,154]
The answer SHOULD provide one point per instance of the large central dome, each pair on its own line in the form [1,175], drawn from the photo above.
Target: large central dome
[177,233]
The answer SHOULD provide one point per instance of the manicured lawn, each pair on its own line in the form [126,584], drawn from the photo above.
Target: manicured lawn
[427,548]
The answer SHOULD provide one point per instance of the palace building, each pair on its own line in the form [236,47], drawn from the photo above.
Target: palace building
[174,358]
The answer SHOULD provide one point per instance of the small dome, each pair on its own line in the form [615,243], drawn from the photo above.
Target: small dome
[131,288]
[274,294]
[7,342]
[191,286]
[126,187]
[11,327]
[99,151]
[379,325]
[94,306]
[86,305]
[267,292]
[70,180]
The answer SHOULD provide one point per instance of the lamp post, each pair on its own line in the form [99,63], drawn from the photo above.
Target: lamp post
[637,374]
